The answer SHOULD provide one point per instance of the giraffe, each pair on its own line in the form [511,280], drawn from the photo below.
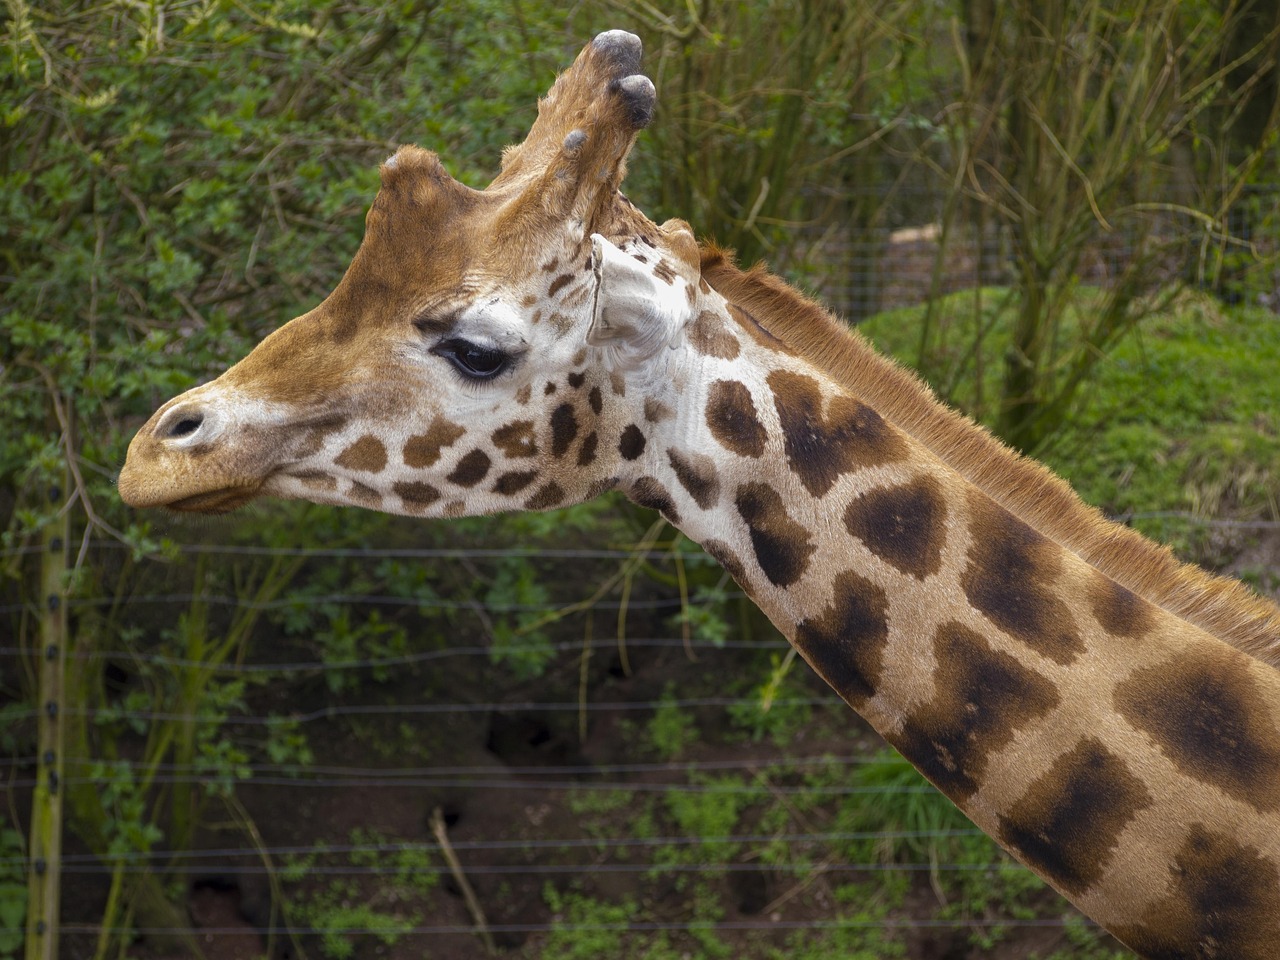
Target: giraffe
[1110,716]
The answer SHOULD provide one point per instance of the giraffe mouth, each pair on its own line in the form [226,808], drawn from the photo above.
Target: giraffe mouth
[215,501]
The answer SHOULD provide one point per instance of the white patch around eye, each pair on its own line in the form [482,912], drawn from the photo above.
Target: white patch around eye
[493,324]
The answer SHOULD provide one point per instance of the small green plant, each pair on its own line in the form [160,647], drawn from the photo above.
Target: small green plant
[584,928]
[344,909]
[776,708]
[589,802]
[340,917]
[672,729]
[402,869]
[856,934]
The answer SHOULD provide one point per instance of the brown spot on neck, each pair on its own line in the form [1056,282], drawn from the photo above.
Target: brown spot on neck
[782,546]
[845,643]
[415,495]
[708,335]
[1223,902]
[982,697]
[632,443]
[1117,610]
[697,474]
[587,452]
[649,492]
[904,526]
[564,427]
[364,495]
[731,417]
[549,495]
[471,469]
[822,445]
[1067,824]
[1209,715]
[514,481]
[1012,578]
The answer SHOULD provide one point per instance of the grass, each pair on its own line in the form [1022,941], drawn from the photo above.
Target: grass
[1182,416]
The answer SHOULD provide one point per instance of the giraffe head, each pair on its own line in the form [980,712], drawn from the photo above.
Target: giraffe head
[471,358]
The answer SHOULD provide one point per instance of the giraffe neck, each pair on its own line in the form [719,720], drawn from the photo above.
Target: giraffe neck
[1123,753]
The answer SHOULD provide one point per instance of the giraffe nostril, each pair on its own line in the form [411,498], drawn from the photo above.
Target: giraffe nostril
[184,426]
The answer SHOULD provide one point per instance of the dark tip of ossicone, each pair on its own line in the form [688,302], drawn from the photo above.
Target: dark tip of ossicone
[640,96]
[622,49]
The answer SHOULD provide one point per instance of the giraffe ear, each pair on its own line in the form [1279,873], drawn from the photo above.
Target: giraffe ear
[634,314]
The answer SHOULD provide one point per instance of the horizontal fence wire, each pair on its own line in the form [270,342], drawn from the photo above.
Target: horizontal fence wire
[408,709]
[567,769]
[383,600]
[678,787]
[651,926]
[495,553]
[425,656]
[551,869]
[162,856]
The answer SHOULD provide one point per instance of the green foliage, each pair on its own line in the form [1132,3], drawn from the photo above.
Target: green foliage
[766,106]
[128,830]
[711,813]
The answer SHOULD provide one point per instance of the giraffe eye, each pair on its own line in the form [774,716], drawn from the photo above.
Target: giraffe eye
[472,360]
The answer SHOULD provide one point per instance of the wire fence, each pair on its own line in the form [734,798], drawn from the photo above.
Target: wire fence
[911,254]
[729,808]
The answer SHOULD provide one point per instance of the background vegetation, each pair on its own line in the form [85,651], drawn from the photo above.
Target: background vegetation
[178,177]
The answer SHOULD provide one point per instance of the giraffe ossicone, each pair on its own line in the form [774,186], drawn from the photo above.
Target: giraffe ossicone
[1108,715]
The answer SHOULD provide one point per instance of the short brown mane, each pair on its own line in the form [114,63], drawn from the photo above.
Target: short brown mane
[1220,606]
